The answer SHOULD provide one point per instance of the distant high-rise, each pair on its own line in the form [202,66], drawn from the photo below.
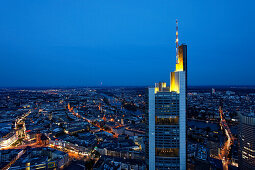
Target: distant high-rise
[246,141]
[166,118]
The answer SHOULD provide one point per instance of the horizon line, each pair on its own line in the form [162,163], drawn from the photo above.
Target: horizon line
[107,86]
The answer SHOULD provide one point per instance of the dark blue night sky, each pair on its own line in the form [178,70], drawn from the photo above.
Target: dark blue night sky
[125,42]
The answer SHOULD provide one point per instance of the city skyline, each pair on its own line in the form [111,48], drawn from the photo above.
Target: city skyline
[48,44]
[127,85]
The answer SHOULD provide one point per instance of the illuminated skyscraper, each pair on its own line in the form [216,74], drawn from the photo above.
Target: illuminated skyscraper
[246,141]
[166,118]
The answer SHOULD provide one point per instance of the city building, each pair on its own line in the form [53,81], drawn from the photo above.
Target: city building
[246,141]
[8,139]
[41,158]
[166,118]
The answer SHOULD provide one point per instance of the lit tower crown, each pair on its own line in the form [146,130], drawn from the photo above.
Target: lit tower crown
[181,64]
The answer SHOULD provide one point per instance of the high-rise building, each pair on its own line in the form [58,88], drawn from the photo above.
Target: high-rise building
[246,141]
[166,118]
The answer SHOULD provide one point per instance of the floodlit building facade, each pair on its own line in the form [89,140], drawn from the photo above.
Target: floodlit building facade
[166,118]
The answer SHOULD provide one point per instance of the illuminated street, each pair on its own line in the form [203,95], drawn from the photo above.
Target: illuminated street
[227,145]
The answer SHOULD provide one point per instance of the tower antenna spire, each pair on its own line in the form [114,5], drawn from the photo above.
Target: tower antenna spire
[176,41]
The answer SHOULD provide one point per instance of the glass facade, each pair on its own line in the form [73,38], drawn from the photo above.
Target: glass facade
[247,141]
[167,130]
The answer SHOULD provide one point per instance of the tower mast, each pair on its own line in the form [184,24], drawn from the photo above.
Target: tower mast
[176,41]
